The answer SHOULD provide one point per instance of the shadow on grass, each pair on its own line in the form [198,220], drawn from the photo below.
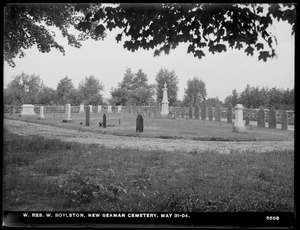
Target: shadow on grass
[65,176]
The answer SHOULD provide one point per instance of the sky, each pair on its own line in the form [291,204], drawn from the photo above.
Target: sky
[107,60]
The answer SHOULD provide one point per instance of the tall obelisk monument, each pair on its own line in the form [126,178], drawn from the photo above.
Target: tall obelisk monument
[165,103]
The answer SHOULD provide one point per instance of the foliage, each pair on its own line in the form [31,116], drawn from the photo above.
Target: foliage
[169,77]
[133,90]
[213,102]
[202,25]
[90,90]
[27,25]
[47,96]
[194,92]
[254,97]
[63,90]
[24,89]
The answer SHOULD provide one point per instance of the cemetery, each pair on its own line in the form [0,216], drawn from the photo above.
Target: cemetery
[199,123]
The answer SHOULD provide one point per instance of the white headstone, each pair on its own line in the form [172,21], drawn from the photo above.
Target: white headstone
[99,109]
[119,108]
[165,102]
[91,108]
[27,110]
[67,115]
[81,108]
[238,125]
[109,109]
[41,116]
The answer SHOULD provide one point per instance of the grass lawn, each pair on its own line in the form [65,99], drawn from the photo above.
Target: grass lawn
[50,175]
[163,127]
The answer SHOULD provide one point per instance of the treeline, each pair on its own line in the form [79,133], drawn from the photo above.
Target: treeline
[30,89]
[134,89]
[254,97]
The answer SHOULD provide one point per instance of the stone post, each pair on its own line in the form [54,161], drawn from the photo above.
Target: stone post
[210,113]
[41,116]
[99,109]
[203,110]
[87,115]
[81,108]
[139,123]
[284,120]
[272,118]
[229,113]
[218,113]
[119,108]
[261,118]
[104,120]
[197,112]
[239,123]
[191,112]
[67,116]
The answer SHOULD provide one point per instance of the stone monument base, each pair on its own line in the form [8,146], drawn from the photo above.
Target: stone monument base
[27,110]
[67,120]
[239,129]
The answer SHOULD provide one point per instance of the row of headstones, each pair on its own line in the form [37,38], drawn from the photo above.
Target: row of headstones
[99,108]
[139,119]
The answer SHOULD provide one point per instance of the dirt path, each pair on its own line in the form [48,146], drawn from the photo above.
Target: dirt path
[112,141]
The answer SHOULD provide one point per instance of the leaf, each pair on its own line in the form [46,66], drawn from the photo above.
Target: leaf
[191,48]
[99,31]
[259,46]
[99,15]
[83,26]
[259,9]
[199,54]
[263,55]
[249,50]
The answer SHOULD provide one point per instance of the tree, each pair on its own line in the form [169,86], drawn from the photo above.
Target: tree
[213,102]
[195,92]
[90,90]
[133,90]
[47,96]
[165,76]
[233,98]
[25,89]
[63,90]
[27,25]
[202,25]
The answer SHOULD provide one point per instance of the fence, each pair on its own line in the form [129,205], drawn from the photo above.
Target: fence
[209,113]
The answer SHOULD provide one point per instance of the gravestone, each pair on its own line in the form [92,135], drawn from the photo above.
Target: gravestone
[229,113]
[99,109]
[272,118]
[139,123]
[238,125]
[67,115]
[261,118]
[11,110]
[27,110]
[109,109]
[91,108]
[218,113]
[197,112]
[284,120]
[81,108]
[191,112]
[41,116]
[104,120]
[119,108]
[210,113]
[203,110]
[87,115]
[165,103]
[247,120]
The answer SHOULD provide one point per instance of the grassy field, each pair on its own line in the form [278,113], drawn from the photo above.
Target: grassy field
[163,127]
[51,175]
